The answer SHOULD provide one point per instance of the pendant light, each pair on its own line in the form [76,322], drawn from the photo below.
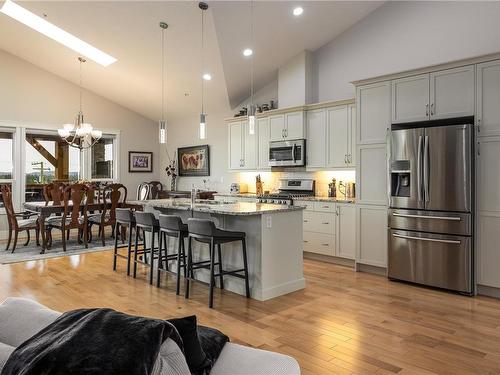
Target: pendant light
[203,124]
[162,124]
[251,107]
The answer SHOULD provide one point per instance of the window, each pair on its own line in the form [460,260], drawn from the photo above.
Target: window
[102,166]
[6,159]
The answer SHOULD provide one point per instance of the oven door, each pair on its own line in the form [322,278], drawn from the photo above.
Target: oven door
[287,153]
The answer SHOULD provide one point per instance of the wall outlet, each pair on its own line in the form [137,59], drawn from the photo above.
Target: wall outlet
[269,221]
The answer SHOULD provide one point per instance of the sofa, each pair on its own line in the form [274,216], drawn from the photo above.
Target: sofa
[21,318]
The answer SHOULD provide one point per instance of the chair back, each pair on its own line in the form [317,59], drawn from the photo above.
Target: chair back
[116,194]
[155,187]
[145,218]
[171,222]
[54,192]
[76,193]
[143,191]
[9,207]
[203,227]
[124,215]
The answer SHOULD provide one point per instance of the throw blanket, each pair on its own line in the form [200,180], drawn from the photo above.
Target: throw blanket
[92,341]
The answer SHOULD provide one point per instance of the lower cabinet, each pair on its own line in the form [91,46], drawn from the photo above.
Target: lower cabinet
[371,232]
[346,230]
[488,252]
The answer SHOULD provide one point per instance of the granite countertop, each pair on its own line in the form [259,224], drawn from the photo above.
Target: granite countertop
[239,195]
[213,207]
[313,199]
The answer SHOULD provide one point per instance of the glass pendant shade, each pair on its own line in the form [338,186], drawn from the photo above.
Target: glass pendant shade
[203,127]
[251,120]
[163,131]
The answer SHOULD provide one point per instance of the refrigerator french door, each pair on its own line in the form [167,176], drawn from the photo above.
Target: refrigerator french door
[431,203]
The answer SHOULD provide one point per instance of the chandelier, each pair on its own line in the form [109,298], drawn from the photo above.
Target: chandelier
[80,134]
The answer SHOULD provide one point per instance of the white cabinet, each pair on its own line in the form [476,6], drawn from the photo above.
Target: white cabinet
[410,99]
[442,94]
[235,146]
[371,174]
[316,138]
[488,98]
[319,227]
[488,174]
[339,135]
[264,135]
[243,147]
[452,93]
[287,126]
[351,142]
[373,112]
[346,230]
[371,232]
[488,251]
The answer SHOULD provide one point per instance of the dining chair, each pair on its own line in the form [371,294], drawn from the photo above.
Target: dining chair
[18,221]
[155,188]
[74,215]
[54,192]
[113,195]
[143,191]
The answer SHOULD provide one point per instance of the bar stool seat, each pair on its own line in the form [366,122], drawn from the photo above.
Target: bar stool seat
[146,222]
[124,218]
[205,231]
[172,226]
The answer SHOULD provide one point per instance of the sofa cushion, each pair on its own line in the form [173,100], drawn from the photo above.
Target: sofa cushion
[242,360]
[5,352]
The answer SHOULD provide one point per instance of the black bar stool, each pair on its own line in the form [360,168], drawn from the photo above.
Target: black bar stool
[124,218]
[146,222]
[172,226]
[205,231]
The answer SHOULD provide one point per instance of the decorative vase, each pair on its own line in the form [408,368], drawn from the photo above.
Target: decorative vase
[173,183]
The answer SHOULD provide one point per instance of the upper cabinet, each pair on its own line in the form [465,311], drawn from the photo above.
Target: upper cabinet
[373,112]
[488,98]
[243,146]
[264,134]
[316,138]
[443,94]
[287,126]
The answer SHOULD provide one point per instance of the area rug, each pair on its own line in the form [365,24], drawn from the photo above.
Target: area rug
[32,252]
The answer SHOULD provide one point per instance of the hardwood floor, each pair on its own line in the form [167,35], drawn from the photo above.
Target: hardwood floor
[342,323]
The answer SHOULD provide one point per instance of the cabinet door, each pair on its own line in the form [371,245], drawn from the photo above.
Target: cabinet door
[410,99]
[319,243]
[488,174]
[488,252]
[351,144]
[263,144]
[346,231]
[373,112]
[371,174]
[452,93]
[316,138]
[371,231]
[277,126]
[338,136]
[250,151]
[295,125]
[488,98]
[235,145]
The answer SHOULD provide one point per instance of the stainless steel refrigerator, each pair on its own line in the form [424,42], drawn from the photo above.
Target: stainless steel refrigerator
[431,194]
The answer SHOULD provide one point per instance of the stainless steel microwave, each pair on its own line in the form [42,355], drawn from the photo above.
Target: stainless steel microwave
[287,153]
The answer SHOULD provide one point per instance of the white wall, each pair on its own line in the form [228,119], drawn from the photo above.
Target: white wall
[294,81]
[402,36]
[30,95]
[264,95]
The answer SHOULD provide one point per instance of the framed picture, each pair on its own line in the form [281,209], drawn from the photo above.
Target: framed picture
[194,161]
[139,161]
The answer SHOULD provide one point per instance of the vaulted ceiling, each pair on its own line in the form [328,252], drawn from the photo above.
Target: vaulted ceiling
[129,31]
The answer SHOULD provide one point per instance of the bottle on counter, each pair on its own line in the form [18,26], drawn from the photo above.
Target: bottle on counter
[332,188]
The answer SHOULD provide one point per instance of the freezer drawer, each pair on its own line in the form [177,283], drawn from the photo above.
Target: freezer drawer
[441,261]
[431,221]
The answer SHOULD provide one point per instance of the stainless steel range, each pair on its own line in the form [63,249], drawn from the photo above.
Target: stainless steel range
[290,189]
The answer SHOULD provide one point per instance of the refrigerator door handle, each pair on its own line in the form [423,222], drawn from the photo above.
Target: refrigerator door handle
[426,172]
[455,242]
[419,169]
[450,218]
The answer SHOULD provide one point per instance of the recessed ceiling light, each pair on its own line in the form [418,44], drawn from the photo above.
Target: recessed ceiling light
[207,76]
[50,30]
[298,11]
[247,52]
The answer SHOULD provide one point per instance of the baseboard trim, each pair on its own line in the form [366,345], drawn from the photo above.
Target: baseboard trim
[329,259]
[381,271]
[279,290]
[489,291]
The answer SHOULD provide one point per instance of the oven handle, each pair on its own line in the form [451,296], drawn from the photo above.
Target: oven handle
[455,242]
[450,218]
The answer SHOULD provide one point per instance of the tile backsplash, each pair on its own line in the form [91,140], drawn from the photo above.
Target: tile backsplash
[322,178]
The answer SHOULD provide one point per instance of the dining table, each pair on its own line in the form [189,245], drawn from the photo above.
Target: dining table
[46,209]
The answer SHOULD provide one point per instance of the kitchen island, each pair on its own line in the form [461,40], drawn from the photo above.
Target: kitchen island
[274,242]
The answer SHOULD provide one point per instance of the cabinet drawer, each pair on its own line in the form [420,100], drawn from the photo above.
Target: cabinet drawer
[319,243]
[320,222]
[324,206]
[308,205]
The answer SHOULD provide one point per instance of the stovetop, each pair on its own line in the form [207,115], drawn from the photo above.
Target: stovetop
[290,189]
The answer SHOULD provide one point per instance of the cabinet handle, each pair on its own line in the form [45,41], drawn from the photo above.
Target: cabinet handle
[478,150]
[427,109]
[305,241]
[306,221]
[337,211]
[326,206]
[479,125]
[345,158]
[432,109]
[325,244]
[325,223]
